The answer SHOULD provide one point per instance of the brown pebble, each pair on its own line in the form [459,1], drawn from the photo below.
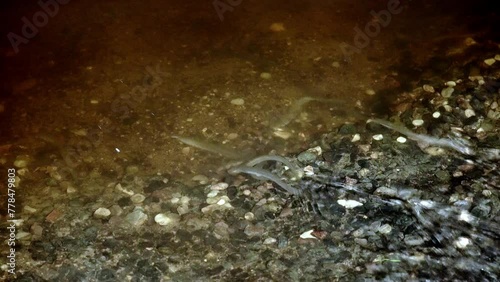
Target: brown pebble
[53,216]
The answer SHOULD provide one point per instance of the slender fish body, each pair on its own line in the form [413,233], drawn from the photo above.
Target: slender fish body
[294,111]
[262,174]
[461,145]
[210,147]
[294,168]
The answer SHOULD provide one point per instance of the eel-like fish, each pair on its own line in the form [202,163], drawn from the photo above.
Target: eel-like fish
[460,145]
[262,174]
[211,147]
[294,111]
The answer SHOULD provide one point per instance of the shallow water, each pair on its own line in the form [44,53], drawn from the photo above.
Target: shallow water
[95,94]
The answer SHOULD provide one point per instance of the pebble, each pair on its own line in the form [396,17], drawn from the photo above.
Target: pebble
[497,57]
[238,102]
[451,83]
[137,198]
[356,137]
[446,92]
[23,235]
[349,204]
[219,186]
[309,170]
[469,113]
[101,213]
[37,230]
[202,179]
[417,122]
[428,88]
[386,191]
[308,235]
[413,240]
[249,216]
[370,92]
[254,230]
[385,229]
[401,139]
[378,137]
[307,157]
[462,242]
[490,61]
[137,217]
[232,136]
[21,161]
[270,241]
[167,219]
[336,64]
[436,114]
[212,194]
[265,75]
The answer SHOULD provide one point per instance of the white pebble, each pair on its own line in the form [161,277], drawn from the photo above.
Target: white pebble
[238,102]
[436,114]
[102,213]
[378,137]
[309,170]
[349,204]
[137,198]
[451,83]
[385,229]
[401,139]
[219,186]
[247,192]
[356,137]
[212,194]
[221,202]
[308,235]
[462,242]
[164,219]
[469,113]
[490,61]
[497,57]
[417,122]
[270,241]
[249,216]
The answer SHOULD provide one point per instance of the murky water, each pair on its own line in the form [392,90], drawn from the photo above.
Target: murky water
[108,84]
[93,93]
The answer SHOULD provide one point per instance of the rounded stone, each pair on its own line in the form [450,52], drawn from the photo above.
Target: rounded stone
[101,213]
[137,198]
[166,219]
[238,102]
